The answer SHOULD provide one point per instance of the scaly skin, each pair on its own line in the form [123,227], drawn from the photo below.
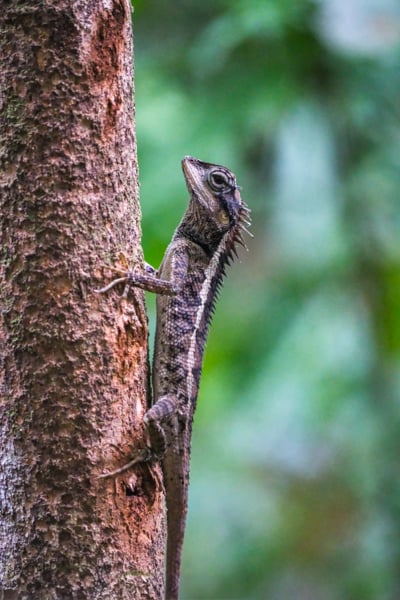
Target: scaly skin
[187,285]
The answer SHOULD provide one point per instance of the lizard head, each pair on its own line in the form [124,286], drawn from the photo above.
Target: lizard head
[214,190]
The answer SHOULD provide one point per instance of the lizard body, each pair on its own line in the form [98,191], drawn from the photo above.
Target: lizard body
[187,285]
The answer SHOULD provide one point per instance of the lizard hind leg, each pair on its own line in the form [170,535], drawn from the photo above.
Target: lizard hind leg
[163,410]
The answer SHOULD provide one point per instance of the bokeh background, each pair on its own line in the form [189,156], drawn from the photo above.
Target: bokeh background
[295,487]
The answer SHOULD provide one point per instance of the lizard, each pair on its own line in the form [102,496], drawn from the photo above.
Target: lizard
[187,285]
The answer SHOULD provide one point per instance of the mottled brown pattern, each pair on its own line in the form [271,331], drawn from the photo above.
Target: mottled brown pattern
[187,285]
[194,266]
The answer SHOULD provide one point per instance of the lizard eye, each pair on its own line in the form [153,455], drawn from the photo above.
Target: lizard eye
[219,181]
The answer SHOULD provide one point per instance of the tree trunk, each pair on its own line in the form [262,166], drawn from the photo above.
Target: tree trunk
[73,378]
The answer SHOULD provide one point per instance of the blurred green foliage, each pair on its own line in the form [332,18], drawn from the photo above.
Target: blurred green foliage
[295,487]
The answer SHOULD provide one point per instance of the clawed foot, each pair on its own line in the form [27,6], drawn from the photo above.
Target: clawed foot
[125,279]
[143,456]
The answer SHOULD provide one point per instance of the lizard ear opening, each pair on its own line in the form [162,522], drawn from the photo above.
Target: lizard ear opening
[223,217]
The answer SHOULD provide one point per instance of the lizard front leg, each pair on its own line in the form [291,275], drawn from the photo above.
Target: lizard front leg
[150,281]
[147,281]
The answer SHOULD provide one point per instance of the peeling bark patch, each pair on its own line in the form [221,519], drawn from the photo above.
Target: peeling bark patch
[105,55]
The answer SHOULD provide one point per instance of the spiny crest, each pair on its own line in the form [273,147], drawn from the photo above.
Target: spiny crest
[234,238]
[228,252]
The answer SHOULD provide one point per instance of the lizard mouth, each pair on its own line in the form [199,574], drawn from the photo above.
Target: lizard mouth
[190,168]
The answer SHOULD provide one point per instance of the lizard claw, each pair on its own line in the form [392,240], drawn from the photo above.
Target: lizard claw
[143,456]
[111,285]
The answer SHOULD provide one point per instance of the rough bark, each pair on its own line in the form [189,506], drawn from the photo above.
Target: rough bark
[73,364]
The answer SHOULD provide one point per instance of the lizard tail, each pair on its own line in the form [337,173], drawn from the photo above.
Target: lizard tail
[174,550]
[176,481]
